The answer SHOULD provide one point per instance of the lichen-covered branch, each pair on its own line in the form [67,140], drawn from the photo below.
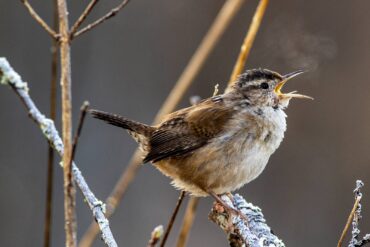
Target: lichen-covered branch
[255,233]
[356,217]
[9,77]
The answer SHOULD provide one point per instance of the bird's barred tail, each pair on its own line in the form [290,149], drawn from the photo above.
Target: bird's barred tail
[119,121]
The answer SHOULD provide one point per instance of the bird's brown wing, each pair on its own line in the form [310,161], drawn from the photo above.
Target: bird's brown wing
[187,130]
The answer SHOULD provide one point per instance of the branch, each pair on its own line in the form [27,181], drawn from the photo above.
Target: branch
[9,77]
[39,20]
[82,17]
[248,40]
[107,16]
[351,215]
[50,167]
[81,121]
[254,233]
[66,84]
[222,21]
[356,217]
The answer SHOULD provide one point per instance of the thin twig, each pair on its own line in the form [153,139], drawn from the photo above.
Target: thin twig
[254,233]
[172,219]
[155,236]
[222,21]
[83,112]
[248,41]
[187,221]
[50,169]
[107,16]
[82,17]
[66,83]
[9,77]
[39,20]
[348,223]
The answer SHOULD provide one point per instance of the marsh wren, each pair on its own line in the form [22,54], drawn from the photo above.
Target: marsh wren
[221,143]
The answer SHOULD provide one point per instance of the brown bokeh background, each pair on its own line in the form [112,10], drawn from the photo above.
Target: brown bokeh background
[129,65]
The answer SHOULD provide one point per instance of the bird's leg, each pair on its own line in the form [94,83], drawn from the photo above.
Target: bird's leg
[231,210]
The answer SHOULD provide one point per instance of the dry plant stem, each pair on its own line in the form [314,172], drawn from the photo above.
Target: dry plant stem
[187,222]
[9,77]
[348,223]
[155,236]
[248,40]
[254,233]
[39,20]
[65,82]
[222,21]
[172,219]
[83,16]
[50,170]
[107,16]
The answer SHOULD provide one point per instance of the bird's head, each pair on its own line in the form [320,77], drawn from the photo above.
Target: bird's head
[262,87]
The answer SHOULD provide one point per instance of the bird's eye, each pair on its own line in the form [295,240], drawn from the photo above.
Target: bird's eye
[264,85]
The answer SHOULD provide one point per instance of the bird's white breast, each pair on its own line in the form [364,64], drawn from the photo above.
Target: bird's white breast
[247,148]
[232,159]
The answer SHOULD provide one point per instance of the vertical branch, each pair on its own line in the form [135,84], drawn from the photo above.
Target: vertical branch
[248,40]
[187,222]
[65,81]
[50,170]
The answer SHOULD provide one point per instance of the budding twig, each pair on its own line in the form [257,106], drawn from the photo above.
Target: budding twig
[155,236]
[107,16]
[82,17]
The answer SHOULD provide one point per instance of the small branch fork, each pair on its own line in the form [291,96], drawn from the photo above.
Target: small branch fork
[254,233]
[9,77]
[74,32]
[354,218]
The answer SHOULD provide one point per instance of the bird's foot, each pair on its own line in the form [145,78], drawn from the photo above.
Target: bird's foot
[230,210]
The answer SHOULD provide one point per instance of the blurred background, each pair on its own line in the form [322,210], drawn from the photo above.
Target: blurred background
[128,66]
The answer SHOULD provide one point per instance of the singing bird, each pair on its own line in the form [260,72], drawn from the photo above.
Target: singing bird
[221,143]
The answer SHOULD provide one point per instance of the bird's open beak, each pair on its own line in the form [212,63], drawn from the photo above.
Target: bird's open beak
[293,94]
